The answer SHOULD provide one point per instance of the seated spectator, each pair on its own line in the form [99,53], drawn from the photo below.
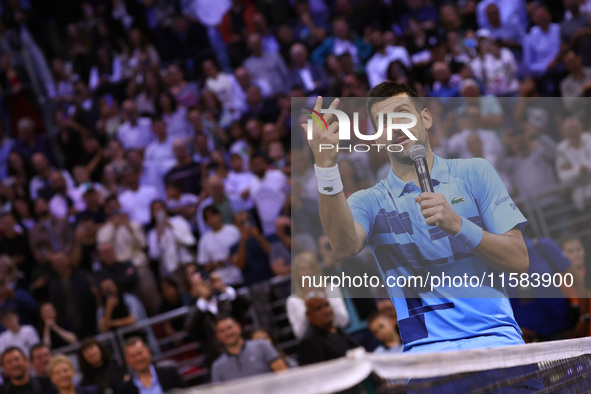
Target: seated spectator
[251,254]
[106,72]
[136,131]
[123,272]
[264,336]
[18,378]
[62,204]
[574,30]
[573,161]
[82,255]
[146,376]
[281,249]
[185,93]
[23,337]
[15,298]
[238,181]
[384,328]
[51,333]
[310,77]
[506,33]
[73,295]
[342,41]
[15,244]
[214,299]
[179,203]
[40,356]
[574,250]
[159,152]
[224,86]
[172,299]
[305,264]
[227,204]
[213,251]
[174,117]
[170,241]
[136,199]
[140,54]
[268,66]
[186,172]
[323,341]
[118,309]
[541,45]
[61,372]
[28,143]
[98,368]
[575,85]
[242,358]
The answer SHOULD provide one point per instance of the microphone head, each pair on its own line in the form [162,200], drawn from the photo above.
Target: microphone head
[417,152]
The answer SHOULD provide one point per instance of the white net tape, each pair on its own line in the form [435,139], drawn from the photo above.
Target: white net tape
[345,372]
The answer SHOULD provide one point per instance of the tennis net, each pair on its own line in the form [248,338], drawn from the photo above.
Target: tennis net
[548,367]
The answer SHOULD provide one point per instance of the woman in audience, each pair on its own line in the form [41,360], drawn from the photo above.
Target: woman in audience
[304,266]
[51,334]
[61,372]
[97,367]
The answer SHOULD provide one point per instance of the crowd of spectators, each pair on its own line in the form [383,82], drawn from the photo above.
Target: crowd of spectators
[147,160]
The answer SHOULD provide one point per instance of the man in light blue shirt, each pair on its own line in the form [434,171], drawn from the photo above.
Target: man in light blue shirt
[469,225]
[542,44]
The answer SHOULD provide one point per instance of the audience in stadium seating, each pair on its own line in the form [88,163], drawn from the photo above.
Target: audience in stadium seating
[323,341]
[145,375]
[242,358]
[18,377]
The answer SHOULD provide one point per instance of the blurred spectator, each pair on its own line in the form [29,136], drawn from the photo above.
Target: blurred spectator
[576,84]
[18,378]
[27,143]
[123,272]
[158,153]
[384,329]
[40,356]
[187,41]
[172,299]
[575,32]
[224,86]
[242,358]
[213,251]
[170,241]
[23,337]
[61,372]
[542,44]
[225,203]
[118,309]
[507,13]
[98,368]
[573,161]
[146,376]
[40,184]
[136,199]
[185,93]
[377,66]
[307,275]
[507,33]
[15,244]
[251,253]
[173,115]
[310,77]
[73,295]
[186,172]
[15,298]
[106,72]
[323,341]
[268,66]
[136,131]
[140,55]
[264,336]
[51,333]
[214,299]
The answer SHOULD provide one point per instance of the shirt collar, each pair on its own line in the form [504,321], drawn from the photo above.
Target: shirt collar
[155,381]
[439,174]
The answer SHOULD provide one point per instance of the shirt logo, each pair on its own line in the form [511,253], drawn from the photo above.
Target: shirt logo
[457,200]
[328,189]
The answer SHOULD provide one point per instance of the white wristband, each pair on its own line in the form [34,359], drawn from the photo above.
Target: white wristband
[329,180]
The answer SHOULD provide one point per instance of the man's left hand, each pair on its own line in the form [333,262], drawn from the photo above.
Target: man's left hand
[437,212]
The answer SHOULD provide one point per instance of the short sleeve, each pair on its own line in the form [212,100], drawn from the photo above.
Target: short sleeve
[361,209]
[498,211]
[268,351]
[554,254]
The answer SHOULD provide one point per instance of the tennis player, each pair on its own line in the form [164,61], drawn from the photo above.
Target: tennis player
[468,225]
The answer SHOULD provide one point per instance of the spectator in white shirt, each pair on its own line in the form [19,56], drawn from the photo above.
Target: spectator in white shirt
[224,86]
[136,132]
[24,337]
[267,190]
[136,199]
[62,203]
[573,161]
[170,242]
[108,70]
[377,65]
[41,182]
[174,115]
[238,181]
[214,247]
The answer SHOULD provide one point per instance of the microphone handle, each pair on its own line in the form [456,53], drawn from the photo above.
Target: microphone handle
[423,174]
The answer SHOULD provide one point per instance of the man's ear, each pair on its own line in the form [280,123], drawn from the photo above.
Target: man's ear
[427,118]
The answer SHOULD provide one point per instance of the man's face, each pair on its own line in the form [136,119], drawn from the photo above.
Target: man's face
[10,322]
[93,356]
[39,359]
[227,331]
[15,365]
[382,328]
[39,163]
[213,220]
[7,224]
[320,313]
[138,356]
[404,104]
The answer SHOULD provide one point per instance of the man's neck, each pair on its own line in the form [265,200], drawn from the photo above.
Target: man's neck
[407,172]
[25,379]
[144,373]
[16,329]
[235,348]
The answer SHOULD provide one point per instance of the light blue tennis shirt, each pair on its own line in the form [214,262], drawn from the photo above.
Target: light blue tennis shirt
[403,243]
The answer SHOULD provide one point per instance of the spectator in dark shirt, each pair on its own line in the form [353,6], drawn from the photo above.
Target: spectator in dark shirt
[40,355]
[97,367]
[14,243]
[73,295]
[172,299]
[185,173]
[27,143]
[51,333]
[323,341]
[18,377]
[145,376]
[123,272]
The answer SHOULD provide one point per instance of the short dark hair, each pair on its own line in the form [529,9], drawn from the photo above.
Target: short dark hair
[133,340]
[210,210]
[374,316]
[388,89]
[12,349]
[4,313]
[223,316]
[85,367]
[39,345]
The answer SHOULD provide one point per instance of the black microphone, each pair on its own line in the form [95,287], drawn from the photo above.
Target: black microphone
[418,154]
